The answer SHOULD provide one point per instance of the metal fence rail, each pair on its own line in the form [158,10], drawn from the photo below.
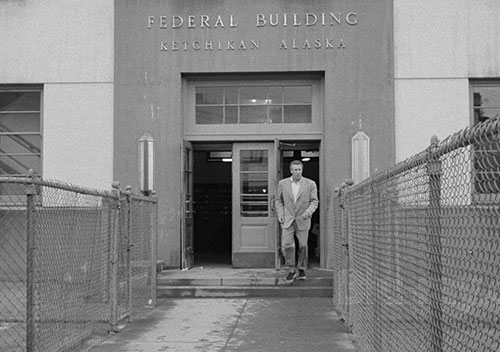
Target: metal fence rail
[424,249]
[73,262]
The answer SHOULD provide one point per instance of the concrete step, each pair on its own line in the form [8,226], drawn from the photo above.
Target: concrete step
[242,291]
[229,281]
[217,282]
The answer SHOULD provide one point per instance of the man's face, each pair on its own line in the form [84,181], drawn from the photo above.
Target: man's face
[296,171]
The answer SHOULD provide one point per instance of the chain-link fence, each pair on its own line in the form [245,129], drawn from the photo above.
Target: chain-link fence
[73,262]
[424,249]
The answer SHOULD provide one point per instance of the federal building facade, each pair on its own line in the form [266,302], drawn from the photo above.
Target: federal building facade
[227,93]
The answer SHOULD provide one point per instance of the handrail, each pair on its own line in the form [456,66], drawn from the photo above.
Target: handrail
[35,180]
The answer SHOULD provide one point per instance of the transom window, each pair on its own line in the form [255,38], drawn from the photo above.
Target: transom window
[486,105]
[20,135]
[278,104]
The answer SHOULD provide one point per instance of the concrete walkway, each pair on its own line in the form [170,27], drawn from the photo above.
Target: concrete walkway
[236,324]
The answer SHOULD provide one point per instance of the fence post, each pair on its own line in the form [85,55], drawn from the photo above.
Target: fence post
[347,246]
[376,293]
[30,265]
[435,295]
[129,245]
[115,230]
[154,245]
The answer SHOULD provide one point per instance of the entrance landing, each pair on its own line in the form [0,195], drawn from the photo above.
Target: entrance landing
[224,281]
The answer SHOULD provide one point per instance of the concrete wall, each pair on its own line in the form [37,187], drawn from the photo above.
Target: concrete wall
[66,45]
[357,83]
[426,60]
[438,47]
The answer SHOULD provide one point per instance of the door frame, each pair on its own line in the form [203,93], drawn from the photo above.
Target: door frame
[278,255]
[187,201]
[208,143]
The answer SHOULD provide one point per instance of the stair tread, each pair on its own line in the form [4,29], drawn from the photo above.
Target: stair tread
[218,282]
[252,280]
[159,287]
[238,291]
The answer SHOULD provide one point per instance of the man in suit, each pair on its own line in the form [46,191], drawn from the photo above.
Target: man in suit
[296,202]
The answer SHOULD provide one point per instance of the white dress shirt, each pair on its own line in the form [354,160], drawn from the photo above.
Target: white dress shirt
[295,189]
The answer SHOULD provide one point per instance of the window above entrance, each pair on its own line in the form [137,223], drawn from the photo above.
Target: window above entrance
[257,106]
[253,104]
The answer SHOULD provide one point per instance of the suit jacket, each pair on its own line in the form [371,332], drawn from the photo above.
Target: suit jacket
[306,204]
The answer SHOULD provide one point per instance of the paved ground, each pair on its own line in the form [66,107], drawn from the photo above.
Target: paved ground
[240,324]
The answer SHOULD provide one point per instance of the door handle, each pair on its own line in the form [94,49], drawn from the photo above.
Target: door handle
[272,203]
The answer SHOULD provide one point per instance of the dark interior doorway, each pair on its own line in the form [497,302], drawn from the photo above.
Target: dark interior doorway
[212,178]
[213,202]
[308,153]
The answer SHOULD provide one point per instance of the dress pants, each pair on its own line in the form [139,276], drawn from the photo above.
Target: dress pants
[288,246]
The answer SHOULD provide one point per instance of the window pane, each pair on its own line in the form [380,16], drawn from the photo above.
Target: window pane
[19,165]
[253,114]
[487,168]
[253,160]
[20,144]
[231,114]
[231,95]
[487,96]
[253,95]
[254,206]
[486,155]
[20,101]
[275,95]
[206,115]
[254,194]
[298,114]
[275,114]
[19,122]
[20,139]
[481,115]
[254,183]
[13,189]
[209,95]
[478,116]
[300,94]
[254,104]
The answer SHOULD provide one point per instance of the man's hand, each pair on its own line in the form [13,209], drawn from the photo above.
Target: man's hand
[281,220]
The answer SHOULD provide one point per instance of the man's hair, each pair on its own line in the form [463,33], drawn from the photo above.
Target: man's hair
[296,162]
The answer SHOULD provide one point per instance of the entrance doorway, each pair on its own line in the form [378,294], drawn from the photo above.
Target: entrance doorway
[233,192]
[212,196]
[308,153]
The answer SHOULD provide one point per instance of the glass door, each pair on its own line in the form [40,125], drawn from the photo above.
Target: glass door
[254,184]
